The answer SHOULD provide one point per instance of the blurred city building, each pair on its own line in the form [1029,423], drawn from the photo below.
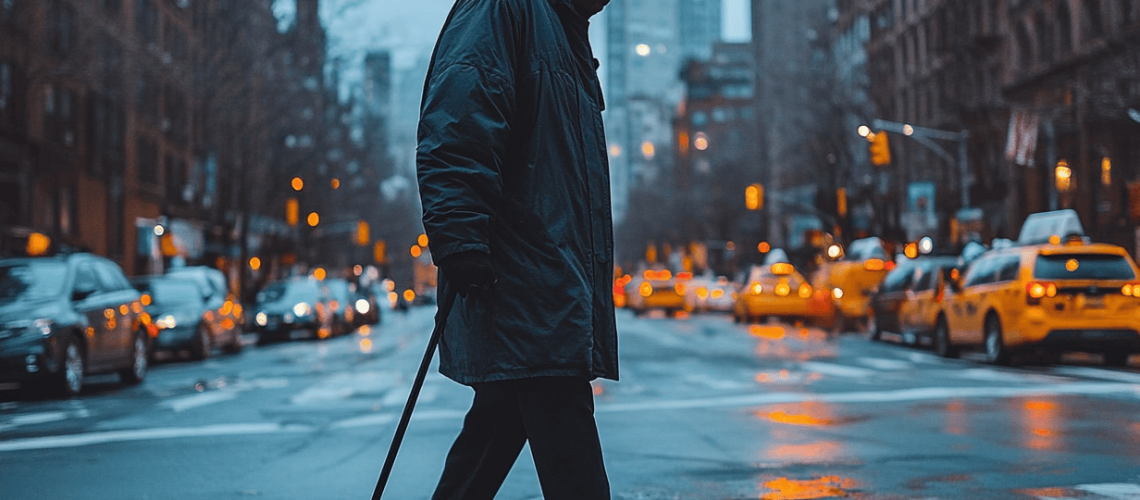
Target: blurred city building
[162,131]
[794,103]
[1044,90]
[713,147]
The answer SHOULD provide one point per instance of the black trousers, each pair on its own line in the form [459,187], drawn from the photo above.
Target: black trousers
[555,414]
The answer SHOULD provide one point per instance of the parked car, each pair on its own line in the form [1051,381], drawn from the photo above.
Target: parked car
[907,300]
[65,317]
[710,293]
[1069,296]
[285,307]
[185,321]
[852,279]
[656,288]
[342,303]
[214,287]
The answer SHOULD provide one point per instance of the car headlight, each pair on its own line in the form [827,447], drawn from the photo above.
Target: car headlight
[166,322]
[37,328]
[303,309]
[362,306]
[262,319]
[837,293]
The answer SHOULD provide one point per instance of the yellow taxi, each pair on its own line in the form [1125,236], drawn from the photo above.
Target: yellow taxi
[852,278]
[1052,297]
[656,289]
[778,290]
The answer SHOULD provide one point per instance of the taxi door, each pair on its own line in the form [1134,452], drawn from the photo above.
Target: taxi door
[96,305]
[965,314]
[920,301]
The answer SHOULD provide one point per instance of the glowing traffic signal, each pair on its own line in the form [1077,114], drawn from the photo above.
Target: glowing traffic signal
[292,211]
[754,197]
[362,236]
[880,149]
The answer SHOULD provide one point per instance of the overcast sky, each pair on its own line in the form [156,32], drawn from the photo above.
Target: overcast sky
[408,29]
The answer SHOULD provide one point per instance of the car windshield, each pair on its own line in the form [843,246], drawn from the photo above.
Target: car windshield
[32,280]
[1083,267]
[286,292]
[175,292]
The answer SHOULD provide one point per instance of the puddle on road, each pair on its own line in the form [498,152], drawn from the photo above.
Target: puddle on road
[809,489]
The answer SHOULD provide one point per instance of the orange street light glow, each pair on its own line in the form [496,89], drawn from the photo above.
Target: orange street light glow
[298,184]
[422,240]
[255,263]
[416,251]
[313,219]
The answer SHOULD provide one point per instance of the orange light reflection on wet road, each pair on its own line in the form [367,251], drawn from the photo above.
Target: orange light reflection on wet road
[767,332]
[1040,421]
[366,345]
[812,452]
[824,487]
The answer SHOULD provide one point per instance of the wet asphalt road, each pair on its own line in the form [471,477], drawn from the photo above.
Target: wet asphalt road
[705,410]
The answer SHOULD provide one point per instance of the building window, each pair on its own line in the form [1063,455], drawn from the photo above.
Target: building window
[1065,26]
[1093,21]
[9,100]
[147,96]
[146,20]
[1024,49]
[146,162]
[176,179]
[60,115]
[107,121]
[61,21]
[110,6]
[174,118]
[1044,38]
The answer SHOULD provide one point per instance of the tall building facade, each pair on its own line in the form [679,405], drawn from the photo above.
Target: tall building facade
[646,43]
[793,96]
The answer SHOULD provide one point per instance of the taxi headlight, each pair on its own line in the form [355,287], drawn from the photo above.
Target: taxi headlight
[37,328]
[262,319]
[166,322]
[837,293]
[303,309]
[362,306]
[756,288]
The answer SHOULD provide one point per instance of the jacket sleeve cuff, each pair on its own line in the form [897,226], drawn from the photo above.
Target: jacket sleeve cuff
[446,250]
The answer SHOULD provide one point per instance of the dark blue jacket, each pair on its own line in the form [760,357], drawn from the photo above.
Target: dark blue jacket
[512,161]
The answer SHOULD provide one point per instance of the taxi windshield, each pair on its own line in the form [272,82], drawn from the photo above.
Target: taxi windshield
[1083,267]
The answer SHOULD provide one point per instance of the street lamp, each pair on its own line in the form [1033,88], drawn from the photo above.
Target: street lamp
[298,184]
[864,131]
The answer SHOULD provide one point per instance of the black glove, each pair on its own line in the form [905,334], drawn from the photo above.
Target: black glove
[467,271]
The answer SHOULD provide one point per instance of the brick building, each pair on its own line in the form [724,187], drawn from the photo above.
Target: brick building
[1037,84]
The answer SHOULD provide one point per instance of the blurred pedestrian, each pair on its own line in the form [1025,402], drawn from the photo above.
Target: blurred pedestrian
[514,181]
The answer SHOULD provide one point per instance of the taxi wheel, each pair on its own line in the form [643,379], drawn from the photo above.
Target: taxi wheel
[873,326]
[140,361]
[942,345]
[69,381]
[996,353]
[201,348]
[1116,358]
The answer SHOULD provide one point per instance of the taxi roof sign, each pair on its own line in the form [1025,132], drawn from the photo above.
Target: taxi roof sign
[1042,226]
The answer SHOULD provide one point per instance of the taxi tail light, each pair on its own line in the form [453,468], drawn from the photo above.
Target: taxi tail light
[874,265]
[805,291]
[684,275]
[679,288]
[1131,290]
[1037,290]
[940,295]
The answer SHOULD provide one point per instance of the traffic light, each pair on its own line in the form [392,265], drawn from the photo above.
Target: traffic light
[754,197]
[380,252]
[880,149]
[841,202]
[362,233]
[292,211]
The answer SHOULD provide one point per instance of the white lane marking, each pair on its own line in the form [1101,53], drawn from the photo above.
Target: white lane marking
[923,394]
[838,370]
[885,364]
[934,393]
[716,383]
[33,419]
[203,399]
[997,375]
[1084,372]
[72,440]
[346,385]
[398,397]
[1117,491]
